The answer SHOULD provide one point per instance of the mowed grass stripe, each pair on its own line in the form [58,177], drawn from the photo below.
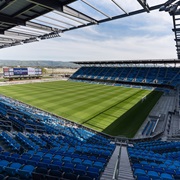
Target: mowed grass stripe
[110,117]
[95,106]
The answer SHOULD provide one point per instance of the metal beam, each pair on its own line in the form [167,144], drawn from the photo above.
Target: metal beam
[144,5]
[19,30]
[24,28]
[10,20]
[72,12]
[6,4]
[40,26]
[116,17]
[119,6]
[90,5]
[5,42]
[15,33]
[68,2]
[175,33]
[50,23]
[57,20]
[50,4]
[116,62]
[67,16]
[11,37]
[27,8]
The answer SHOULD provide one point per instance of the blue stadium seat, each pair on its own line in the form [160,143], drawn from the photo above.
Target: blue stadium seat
[26,171]
[153,174]
[77,161]
[2,177]
[143,177]
[70,176]
[85,178]
[138,172]
[12,170]
[55,173]
[3,165]
[37,176]
[165,176]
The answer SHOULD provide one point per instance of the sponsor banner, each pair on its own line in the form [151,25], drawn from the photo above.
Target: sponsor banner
[11,73]
[38,71]
[5,69]
[6,73]
[31,71]
[20,71]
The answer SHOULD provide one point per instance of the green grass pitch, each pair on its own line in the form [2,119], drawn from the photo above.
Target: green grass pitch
[108,109]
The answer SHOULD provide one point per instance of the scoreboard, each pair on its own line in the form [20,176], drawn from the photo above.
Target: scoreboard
[22,72]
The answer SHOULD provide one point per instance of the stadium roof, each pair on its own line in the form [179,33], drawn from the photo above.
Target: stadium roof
[172,6]
[128,62]
[25,21]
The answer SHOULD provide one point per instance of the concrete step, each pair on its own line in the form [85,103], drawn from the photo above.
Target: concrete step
[109,170]
[125,172]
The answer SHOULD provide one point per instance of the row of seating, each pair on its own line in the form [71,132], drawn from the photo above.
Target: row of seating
[12,144]
[58,125]
[27,142]
[155,160]
[150,75]
[68,152]
[149,128]
[37,140]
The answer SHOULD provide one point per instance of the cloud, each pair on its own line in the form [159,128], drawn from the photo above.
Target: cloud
[69,49]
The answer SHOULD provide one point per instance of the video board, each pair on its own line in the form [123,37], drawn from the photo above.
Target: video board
[22,72]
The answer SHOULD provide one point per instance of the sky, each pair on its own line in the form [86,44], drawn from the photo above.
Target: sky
[143,36]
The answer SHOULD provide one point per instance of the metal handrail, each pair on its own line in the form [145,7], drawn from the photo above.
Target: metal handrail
[116,169]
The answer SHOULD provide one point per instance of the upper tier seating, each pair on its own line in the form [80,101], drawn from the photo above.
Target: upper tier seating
[150,75]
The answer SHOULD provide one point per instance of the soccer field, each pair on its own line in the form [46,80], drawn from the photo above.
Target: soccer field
[102,108]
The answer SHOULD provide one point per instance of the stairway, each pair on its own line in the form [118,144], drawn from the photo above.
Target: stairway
[125,172]
[109,170]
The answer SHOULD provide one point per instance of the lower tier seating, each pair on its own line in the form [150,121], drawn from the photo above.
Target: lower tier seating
[155,160]
[61,151]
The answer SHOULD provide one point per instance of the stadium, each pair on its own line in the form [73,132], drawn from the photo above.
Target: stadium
[110,120]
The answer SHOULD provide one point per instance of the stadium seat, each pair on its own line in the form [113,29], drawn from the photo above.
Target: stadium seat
[77,161]
[58,157]
[12,178]
[49,177]
[85,178]
[2,177]
[41,170]
[152,174]
[138,172]
[67,167]
[166,176]
[55,173]
[12,170]
[3,165]
[54,167]
[70,176]
[26,171]
[143,177]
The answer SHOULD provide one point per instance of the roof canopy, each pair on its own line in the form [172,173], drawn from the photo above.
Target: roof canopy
[154,62]
[25,21]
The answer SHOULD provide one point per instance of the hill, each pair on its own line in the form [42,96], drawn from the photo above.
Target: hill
[37,63]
